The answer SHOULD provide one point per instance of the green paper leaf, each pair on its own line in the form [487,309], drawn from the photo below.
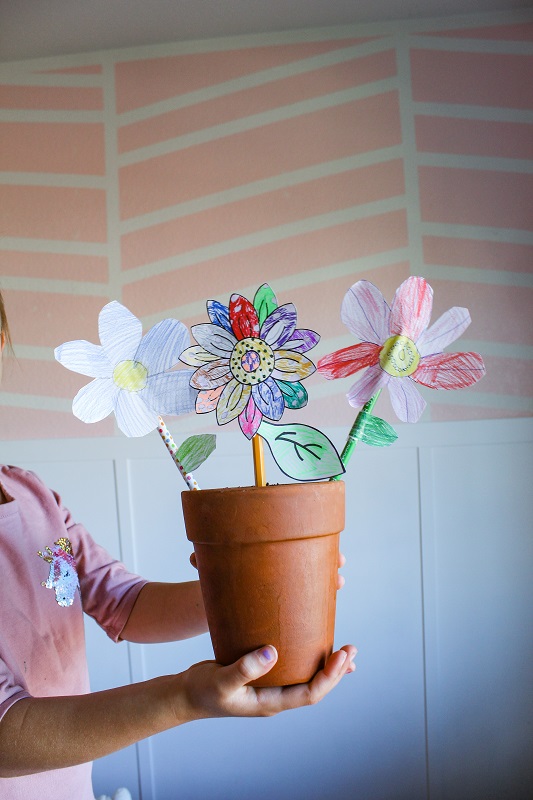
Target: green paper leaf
[265,302]
[376,432]
[294,394]
[195,450]
[301,452]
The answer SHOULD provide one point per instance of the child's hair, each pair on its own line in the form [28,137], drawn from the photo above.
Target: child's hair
[4,327]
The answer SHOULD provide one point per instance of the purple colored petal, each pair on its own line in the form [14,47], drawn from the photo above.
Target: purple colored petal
[171,392]
[365,313]
[411,308]
[85,358]
[134,418]
[302,340]
[373,378]
[162,346]
[96,400]
[279,326]
[444,331]
[120,332]
[407,402]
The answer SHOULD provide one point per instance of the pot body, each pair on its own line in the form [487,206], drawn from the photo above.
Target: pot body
[268,560]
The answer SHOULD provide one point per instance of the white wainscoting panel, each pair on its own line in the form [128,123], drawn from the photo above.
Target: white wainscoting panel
[438,597]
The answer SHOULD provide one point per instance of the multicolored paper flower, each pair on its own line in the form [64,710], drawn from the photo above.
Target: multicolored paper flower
[131,373]
[398,348]
[250,360]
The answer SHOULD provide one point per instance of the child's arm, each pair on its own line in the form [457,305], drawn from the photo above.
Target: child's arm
[39,734]
[166,612]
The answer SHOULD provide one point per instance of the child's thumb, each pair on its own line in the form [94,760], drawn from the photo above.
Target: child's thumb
[250,667]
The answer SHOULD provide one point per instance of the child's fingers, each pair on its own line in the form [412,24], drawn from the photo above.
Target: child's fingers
[248,668]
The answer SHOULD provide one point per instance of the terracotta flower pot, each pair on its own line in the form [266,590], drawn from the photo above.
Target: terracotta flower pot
[268,560]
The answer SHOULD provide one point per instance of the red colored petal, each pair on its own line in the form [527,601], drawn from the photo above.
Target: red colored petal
[449,370]
[243,317]
[411,308]
[349,360]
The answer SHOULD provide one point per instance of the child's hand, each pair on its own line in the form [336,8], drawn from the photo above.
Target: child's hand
[211,690]
[340,578]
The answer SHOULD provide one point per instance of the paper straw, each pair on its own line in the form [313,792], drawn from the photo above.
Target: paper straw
[259,460]
[353,437]
[165,434]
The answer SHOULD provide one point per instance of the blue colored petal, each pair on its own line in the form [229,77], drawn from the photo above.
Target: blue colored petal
[219,314]
[268,398]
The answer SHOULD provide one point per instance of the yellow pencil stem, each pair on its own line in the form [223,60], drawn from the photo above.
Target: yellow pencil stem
[259,460]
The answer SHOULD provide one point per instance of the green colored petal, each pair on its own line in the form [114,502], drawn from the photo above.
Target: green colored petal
[294,394]
[265,302]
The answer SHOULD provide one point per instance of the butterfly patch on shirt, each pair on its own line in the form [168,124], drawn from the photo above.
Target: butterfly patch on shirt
[63,577]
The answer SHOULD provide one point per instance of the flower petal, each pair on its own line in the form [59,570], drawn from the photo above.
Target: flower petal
[243,317]
[216,373]
[120,332]
[265,301]
[196,356]
[407,402]
[279,326]
[268,398]
[162,346]
[449,370]
[292,366]
[302,340]
[207,400]
[444,331]
[218,314]
[348,360]
[362,390]
[85,358]
[134,418]
[250,419]
[170,392]
[214,339]
[294,394]
[411,308]
[96,400]
[365,313]
[232,401]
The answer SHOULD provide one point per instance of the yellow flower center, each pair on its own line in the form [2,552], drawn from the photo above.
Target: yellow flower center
[252,361]
[130,375]
[399,356]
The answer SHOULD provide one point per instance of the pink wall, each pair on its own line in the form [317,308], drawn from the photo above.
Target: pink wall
[175,174]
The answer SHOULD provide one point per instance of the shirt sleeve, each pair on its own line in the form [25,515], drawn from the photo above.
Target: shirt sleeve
[108,589]
[10,689]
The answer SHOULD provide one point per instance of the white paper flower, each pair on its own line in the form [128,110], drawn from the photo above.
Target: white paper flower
[131,373]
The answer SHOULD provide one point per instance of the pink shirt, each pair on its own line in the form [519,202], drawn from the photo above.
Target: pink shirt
[42,643]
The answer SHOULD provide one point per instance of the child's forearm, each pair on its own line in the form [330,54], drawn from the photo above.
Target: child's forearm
[166,612]
[42,733]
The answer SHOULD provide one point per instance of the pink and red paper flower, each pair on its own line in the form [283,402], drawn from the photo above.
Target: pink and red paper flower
[398,349]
